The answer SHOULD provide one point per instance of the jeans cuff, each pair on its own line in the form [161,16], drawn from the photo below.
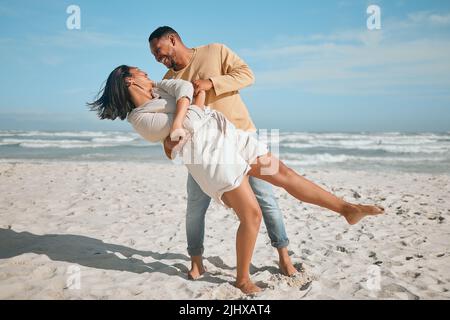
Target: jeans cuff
[195,251]
[280,244]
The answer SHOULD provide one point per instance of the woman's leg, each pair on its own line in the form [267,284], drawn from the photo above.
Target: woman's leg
[243,202]
[307,191]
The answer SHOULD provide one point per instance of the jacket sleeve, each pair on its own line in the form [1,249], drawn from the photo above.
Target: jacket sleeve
[177,88]
[237,74]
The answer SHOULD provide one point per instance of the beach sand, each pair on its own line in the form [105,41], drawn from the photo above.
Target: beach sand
[93,230]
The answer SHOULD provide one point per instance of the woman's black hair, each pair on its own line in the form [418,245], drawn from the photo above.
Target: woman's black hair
[114,99]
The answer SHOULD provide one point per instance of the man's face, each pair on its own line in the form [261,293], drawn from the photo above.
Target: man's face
[164,51]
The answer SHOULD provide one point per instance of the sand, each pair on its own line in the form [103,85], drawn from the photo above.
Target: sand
[93,230]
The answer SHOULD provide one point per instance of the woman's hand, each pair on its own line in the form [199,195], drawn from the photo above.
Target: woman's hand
[175,141]
[177,133]
[170,148]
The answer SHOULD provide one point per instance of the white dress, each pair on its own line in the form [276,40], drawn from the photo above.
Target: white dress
[216,153]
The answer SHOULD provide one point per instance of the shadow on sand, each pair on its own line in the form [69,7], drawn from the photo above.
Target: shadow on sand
[92,253]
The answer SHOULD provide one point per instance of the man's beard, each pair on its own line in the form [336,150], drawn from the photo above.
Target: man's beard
[175,66]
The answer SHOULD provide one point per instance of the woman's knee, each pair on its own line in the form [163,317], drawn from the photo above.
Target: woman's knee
[252,216]
[283,175]
[288,172]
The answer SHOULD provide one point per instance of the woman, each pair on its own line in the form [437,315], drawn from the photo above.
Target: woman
[219,157]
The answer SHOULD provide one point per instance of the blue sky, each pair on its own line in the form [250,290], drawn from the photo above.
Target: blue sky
[317,66]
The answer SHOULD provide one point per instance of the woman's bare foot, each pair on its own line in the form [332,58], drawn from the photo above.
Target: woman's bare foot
[197,268]
[248,287]
[353,213]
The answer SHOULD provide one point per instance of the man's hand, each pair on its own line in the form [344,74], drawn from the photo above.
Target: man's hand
[200,85]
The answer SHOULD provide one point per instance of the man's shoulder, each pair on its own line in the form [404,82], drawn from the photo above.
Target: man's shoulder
[211,47]
[168,75]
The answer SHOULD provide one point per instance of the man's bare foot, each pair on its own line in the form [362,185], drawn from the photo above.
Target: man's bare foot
[248,287]
[196,273]
[288,270]
[197,268]
[286,266]
[353,213]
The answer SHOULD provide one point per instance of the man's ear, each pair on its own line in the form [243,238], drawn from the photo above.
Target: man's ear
[172,39]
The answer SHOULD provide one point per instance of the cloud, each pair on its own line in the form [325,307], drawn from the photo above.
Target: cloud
[55,49]
[82,39]
[428,17]
[358,62]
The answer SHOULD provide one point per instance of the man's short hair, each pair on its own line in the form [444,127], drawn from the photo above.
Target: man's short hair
[161,32]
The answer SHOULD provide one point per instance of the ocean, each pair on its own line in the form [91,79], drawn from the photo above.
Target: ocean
[406,152]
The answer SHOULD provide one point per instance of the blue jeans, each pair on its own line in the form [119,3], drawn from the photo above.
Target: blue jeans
[198,202]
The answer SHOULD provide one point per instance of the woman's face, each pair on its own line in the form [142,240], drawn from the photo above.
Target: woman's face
[140,78]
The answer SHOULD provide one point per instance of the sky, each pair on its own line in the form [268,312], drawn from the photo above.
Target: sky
[318,67]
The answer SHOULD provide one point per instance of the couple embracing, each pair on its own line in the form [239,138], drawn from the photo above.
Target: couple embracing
[197,110]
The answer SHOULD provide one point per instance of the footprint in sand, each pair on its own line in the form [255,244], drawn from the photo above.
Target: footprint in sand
[302,279]
[399,291]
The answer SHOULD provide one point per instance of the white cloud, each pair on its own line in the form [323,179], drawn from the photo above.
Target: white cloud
[51,50]
[82,39]
[358,62]
[428,17]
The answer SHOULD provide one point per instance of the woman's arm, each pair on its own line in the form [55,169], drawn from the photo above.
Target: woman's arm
[177,88]
[183,92]
[182,105]
[177,132]
[199,99]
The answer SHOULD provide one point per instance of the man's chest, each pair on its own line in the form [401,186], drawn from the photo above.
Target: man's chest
[207,69]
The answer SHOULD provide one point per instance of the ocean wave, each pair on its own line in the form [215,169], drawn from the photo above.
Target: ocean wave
[373,147]
[117,139]
[392,138]
[292,136]
[67,134]
[383,145]
[75,144]
[317,159]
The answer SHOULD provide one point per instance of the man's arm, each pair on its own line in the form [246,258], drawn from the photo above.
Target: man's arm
[237,75]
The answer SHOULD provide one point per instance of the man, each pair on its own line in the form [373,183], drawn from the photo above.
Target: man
[221,73]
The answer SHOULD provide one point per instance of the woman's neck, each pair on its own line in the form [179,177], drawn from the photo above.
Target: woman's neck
[139,96]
